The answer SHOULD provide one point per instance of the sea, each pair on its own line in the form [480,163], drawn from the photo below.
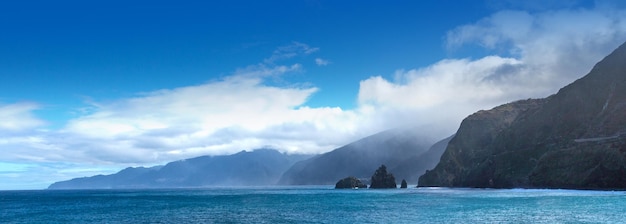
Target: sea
[313,204]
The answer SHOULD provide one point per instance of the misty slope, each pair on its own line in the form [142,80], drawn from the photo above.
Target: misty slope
[573,139]
[259,167]
[411,168]
[398,149]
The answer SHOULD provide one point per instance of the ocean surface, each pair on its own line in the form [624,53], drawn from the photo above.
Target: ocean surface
[313,204]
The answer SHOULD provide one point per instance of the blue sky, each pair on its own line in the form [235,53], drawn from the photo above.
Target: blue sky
[89,87]
[59,53]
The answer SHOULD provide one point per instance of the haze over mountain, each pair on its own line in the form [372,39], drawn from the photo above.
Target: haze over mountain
[575,138]
[405,151]
[413,167]
[256,168]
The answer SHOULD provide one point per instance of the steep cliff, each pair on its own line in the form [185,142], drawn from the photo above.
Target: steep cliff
[573,139]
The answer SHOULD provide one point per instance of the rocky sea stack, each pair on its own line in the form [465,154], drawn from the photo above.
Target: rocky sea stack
[350,183]
[382,179]
[574,139]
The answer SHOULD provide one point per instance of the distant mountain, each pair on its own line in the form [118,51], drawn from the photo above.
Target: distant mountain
[259,167]
[399,149]
[573,139]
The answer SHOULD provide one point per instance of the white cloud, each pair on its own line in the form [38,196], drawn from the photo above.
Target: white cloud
[562,43]
[18,116]
[263,70]
[289,51]
[533,4]
[321,62]
[546,52]
[220,117]
[239,112]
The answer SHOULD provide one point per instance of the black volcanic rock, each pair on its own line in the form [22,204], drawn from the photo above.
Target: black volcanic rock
[401,147]
[349,183]
[574,139]
[403,184]
[259,167]
[382,179]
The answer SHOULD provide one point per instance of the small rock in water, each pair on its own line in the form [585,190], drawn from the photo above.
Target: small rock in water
[403,184]
[350,182]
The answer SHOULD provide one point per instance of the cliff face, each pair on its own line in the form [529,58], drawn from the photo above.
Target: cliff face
[468,160]
[573,139]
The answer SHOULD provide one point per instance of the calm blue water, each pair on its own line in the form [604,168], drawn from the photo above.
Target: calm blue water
[313,205]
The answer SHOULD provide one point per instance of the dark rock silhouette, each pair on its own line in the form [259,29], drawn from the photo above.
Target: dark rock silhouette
[349,183]
[382,179]
[259,167]
[403,184]
[574,139]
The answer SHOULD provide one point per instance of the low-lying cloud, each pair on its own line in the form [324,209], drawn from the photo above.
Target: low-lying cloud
[542,53]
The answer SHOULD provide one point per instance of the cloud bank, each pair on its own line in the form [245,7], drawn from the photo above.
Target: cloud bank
[542,53]
[215,118]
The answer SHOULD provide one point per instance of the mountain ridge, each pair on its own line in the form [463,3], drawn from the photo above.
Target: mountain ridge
[258,167]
